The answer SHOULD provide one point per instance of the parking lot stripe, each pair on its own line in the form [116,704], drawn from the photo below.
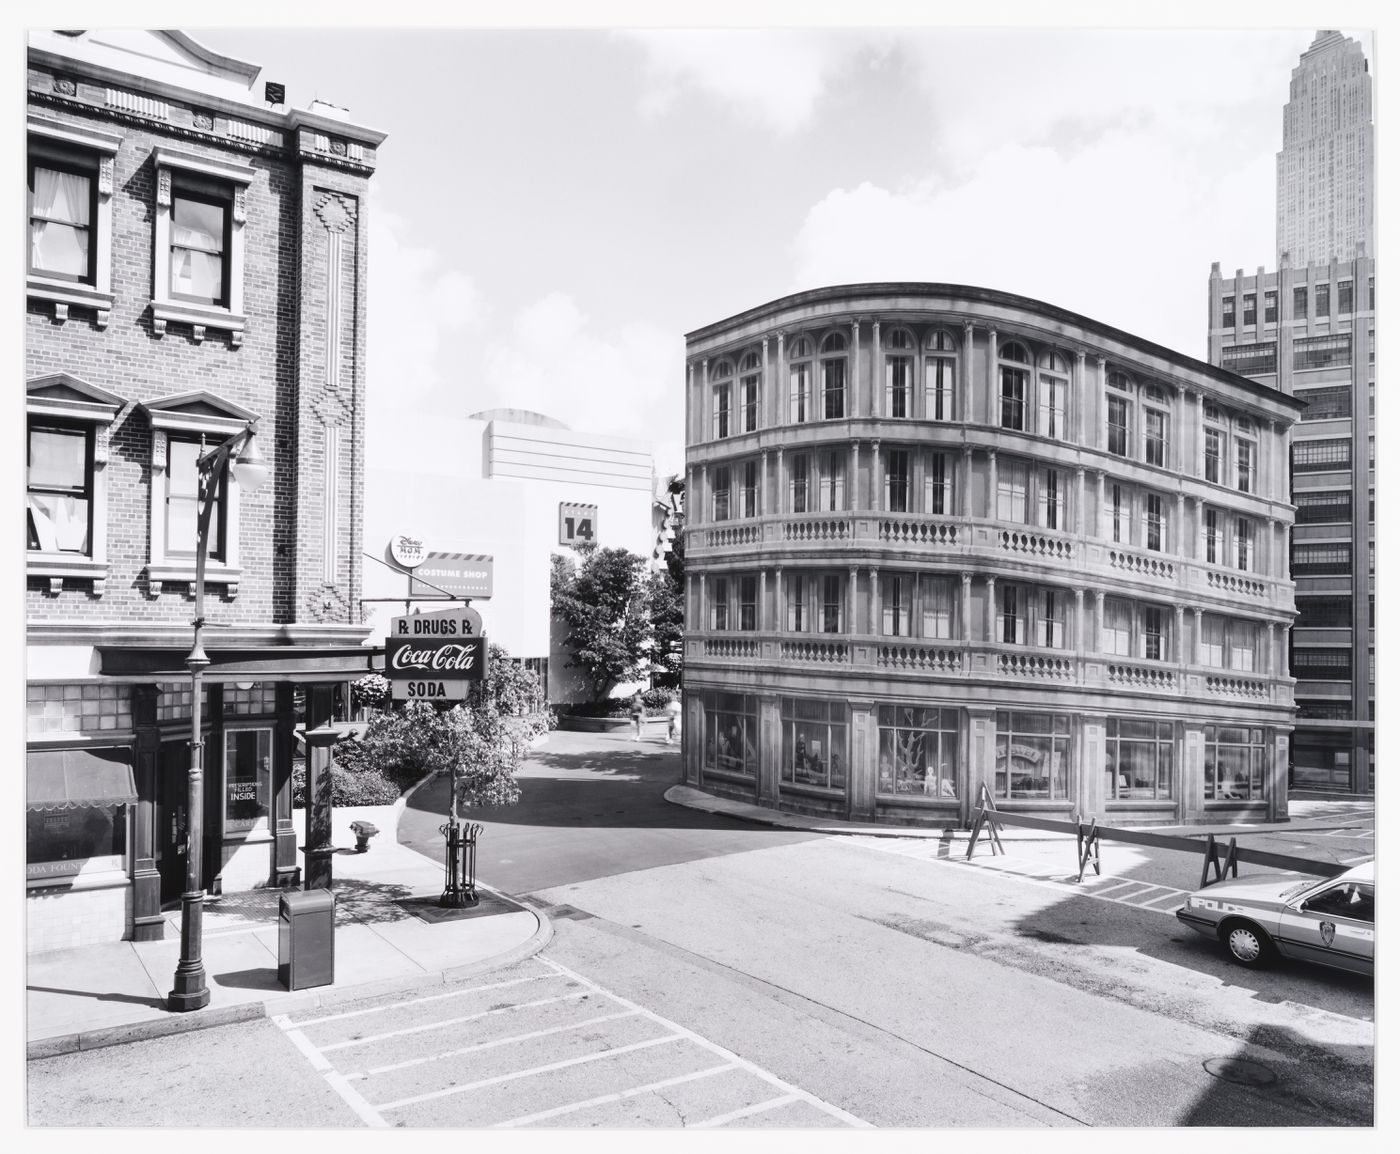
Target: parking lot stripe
[440,1022]
[604,1099]
[458,993]
[744,1112]
[399,1103]
[487,1045]
[347,1093]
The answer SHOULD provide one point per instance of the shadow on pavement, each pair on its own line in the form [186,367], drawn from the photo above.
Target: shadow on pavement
[131,999]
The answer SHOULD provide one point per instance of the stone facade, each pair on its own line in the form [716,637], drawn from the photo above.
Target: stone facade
[943,538]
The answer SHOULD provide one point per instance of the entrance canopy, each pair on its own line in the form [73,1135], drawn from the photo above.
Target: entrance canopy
[73,778]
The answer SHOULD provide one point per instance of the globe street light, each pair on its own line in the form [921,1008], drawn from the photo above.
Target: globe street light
[249,470]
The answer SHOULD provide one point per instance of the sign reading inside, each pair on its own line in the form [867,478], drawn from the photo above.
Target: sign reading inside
[578,524]
[434,658]
[406,552]
[463,622]
[454,574]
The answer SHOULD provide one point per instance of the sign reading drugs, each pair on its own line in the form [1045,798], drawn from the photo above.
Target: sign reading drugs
[454,575]
[434,659]
[463,622]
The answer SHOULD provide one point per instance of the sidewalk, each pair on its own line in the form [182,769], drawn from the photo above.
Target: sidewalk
[1316,813]
[390,937]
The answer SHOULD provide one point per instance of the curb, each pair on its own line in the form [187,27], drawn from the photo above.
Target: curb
[298,1002]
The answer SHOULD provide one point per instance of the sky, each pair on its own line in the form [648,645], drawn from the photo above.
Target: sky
[555,208]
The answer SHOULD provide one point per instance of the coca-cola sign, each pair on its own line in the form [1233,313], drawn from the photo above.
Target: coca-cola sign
[438,658]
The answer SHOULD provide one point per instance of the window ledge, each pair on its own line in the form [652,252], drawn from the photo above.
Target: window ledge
[57,566]
[182,573]
[199,318]
[65,294]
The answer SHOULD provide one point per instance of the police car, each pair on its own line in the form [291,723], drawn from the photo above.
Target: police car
[1332,922]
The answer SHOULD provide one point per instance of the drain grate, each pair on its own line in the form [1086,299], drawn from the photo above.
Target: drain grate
[1241,1071]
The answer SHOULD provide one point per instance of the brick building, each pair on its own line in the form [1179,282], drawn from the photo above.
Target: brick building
[942,538]
[196,262]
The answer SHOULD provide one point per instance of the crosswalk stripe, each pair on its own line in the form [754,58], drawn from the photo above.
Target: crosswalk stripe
[745,1112]
[604,1099]
[441,1022]
[417,1001]
[347,1093]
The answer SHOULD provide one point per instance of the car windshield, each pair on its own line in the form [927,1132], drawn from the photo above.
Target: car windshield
[1293,891]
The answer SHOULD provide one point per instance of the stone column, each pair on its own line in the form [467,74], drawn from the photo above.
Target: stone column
[1198,529]
[1199,465]
[704,614]
[991,413]
[1098,620]
[780,502]
[148,925]
[286,873]
[320,737]
[981,758]
[991,583]
[852,482]
[965,614]
[864,755]
[874,616]
[1266,552]
[1078,621]
[692,434]
[762,600]
[877,502]
[1180,639]
[704,495]
[779,601]
[763,488]
[991,511]
[1179,432]
[853,403]
[689,622]
[765,389]
[965,491]
[851,601]
[1092,788]
[877,385]
[1180,536]
[964,413]
[1096,410]
[784,415]
[1197,658]
[1103,508]
[1270,652]
[706,401]
[1192,780]
[770,748]
[1081,399]
[1081,514]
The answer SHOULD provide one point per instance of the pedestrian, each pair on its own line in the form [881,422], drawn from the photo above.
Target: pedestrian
[639,714]
[673,720]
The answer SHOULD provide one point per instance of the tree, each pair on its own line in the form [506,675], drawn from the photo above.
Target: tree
[666,604]
[604,607]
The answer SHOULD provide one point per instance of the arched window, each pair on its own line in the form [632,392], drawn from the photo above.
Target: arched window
[899,373]
[833,361]
[940,375]
[799,356]
[750,374]
[1053,396]
[1013,371]
[721,399]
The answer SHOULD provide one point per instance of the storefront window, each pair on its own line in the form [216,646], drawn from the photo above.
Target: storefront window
[814,743]
[1234,763]
[247,778]
[62,841]
[919,752]
[1032,755]
[731,733]
[1139,759]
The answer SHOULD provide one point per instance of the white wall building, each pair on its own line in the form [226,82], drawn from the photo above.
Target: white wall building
[493,484]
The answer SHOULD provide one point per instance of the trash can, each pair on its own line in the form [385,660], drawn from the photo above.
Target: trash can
[306,939]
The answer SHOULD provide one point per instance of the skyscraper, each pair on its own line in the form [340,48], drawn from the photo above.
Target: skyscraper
[1308,329]
[1325,184]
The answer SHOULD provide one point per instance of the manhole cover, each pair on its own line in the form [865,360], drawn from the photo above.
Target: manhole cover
[1240,1070]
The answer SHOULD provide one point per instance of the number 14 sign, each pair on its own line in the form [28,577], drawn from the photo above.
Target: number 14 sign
[578,524]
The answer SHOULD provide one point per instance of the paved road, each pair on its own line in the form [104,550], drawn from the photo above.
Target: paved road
[707,972]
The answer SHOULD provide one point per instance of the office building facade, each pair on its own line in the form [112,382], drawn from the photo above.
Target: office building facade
[943,539]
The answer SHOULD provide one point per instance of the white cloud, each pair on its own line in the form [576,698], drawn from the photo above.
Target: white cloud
[774,76]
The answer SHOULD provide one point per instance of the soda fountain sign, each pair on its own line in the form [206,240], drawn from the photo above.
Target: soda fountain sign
[433,668]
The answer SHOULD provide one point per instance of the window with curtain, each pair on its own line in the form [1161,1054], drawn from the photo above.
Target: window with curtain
[1011,492]
[182,503]
[896,604]
[1138,759]
[940,376]
[800,381]
[832,484]
[1234,763]
[748,391]
[1153,632]
[719,410]
[1119,431]
[1153,521]
[1119,509]
[798,618]
[1052,619]
[1051,498]
[899,374]
[1244,543]
[749,495]
[1212,535]
[59,489]
[1244,465]
[748,603]
[834,377]
[62,205]
[1250,311]
[897,480]
[1213,444]
[719,486]
[1270,306]
[1013,614]
[938,484]
[719,603]
[1243,639]
[1154,436]
[1053,396]
[1213,641]
[1014,375]
[833,602]
[798,468]
[200,220]
[1117,627]
[937,597]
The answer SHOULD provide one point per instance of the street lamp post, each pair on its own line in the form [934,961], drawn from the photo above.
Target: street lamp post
[190,991]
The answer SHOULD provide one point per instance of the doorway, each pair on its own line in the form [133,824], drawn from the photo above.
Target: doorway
[172,818]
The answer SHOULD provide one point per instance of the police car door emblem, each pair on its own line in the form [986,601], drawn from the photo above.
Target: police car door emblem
[1329,932]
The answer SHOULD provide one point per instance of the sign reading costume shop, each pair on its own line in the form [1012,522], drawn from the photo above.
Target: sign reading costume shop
[454,575]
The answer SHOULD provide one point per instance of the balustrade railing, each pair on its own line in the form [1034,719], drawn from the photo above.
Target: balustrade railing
[1148,565]
[1041,545]
[818,529]
[731,647]
[1143,677]
[725,536]
[822,652]
[1035,665]
[1234,583]
[920,658]
[1238,687]
[918,532]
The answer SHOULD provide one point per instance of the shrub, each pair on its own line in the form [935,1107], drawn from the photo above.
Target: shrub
[362,786]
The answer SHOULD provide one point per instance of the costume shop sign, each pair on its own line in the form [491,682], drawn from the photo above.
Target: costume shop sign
[433,668]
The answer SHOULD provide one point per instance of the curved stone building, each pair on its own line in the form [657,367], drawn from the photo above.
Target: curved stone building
[942,537]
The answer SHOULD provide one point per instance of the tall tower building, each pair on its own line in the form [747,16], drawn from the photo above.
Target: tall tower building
[1325,184]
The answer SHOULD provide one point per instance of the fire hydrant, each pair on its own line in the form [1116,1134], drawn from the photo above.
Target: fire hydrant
[363,831]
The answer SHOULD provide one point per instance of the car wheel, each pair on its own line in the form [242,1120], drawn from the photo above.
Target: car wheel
[1248,944]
